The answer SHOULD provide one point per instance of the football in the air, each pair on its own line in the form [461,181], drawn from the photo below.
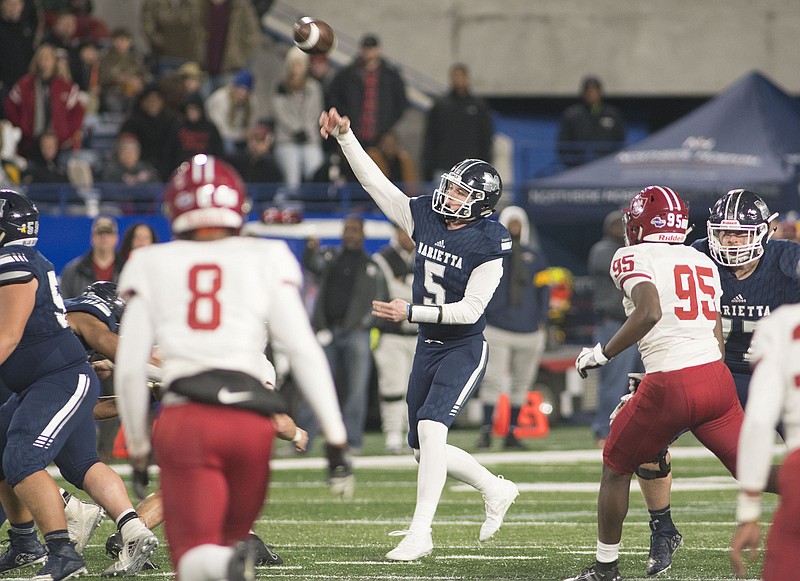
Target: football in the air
[313,35]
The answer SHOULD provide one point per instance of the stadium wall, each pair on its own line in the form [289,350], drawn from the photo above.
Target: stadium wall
[543,47]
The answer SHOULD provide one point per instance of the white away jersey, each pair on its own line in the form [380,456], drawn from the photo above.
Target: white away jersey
[773,395]
[689,289]
[209,301]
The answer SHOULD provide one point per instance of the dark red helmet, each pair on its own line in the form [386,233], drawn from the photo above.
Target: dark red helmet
[656,214]
[205,192]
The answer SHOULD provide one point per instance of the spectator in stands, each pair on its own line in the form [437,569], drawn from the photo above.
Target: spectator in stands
[516,327]
[194,133]
[135,236]
[100,263]
[86,25]
[43,167]
[319,68]
[591,128]
[395,163]
[394,354]
[787,228]
[29,108]
[178,84]
[192,77]
[174,29]
[127,167]
[257,164]
[20,32]
[231,35]
[370,91]
[459,126]
[64,34]
[13,167]
[89,26]
[152,127]
[85,73]
[296,102]
[122,73]
[232,108]
[609,315]
[348,283]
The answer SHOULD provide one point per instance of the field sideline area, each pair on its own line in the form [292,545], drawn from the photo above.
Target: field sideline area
[549,533]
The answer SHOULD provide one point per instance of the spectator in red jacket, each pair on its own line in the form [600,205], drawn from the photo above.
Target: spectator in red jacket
[42,101]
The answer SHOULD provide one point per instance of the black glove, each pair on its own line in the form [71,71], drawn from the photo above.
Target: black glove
[341,480]
[141,480]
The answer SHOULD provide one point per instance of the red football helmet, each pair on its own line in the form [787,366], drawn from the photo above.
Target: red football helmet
[656,214]
[205,192]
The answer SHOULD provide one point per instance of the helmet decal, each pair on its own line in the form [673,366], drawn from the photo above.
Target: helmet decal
[656,214]
[468,191]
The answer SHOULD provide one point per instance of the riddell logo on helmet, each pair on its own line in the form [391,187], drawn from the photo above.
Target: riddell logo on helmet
[671,237]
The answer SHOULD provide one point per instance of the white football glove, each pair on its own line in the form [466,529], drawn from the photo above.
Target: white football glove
[590,358]
[634,379]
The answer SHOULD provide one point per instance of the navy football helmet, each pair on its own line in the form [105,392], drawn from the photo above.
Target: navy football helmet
[476,178]
[106,292]
[743,219]
[19,219]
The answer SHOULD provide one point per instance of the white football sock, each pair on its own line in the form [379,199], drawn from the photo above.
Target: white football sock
[205,563]
[462,466]
[432,472]
[607,553]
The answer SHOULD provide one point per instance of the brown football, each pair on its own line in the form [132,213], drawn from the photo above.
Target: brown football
[313,35]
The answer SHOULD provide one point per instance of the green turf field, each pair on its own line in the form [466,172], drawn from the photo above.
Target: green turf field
[548,534]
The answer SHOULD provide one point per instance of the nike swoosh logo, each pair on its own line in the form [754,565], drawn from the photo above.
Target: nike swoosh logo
[226,396]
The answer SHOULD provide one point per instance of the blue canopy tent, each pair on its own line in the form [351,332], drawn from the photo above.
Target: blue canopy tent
[748,136]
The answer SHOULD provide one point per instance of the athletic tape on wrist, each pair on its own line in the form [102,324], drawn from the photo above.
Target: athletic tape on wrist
[424,314]
[748,507]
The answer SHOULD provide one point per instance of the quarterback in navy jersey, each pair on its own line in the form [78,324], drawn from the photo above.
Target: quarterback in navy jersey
[458,265]
[757,276]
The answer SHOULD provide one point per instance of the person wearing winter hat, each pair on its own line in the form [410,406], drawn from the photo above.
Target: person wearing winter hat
[232,109]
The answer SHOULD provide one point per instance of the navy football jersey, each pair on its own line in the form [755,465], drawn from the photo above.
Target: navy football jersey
[445,260]
[774,282]
[47,345]
[95,307]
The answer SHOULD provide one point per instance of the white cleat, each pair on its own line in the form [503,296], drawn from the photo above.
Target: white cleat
[497,504]
[83,518]
[136,550]
[415,545]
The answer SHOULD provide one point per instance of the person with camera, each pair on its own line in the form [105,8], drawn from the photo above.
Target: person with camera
[296,102]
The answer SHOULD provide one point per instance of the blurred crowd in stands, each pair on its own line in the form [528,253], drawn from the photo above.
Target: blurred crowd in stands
[81,104]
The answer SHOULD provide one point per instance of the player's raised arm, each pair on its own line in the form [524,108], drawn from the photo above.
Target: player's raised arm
[390,199]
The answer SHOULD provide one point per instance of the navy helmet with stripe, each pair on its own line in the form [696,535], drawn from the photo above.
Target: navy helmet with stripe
[478,180]
[656,214]
[106,292]
[19,219]
[739,228]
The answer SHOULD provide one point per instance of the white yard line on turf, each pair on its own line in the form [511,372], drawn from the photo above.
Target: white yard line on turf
[548,457]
